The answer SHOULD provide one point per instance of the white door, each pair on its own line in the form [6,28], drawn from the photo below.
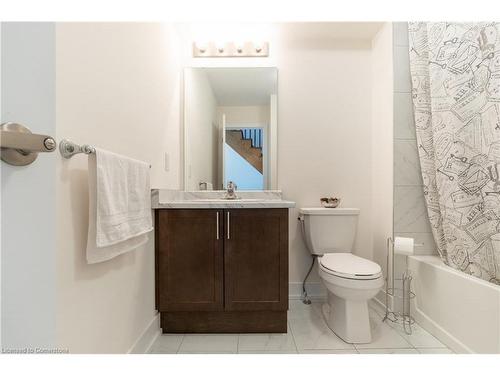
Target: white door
[28,196]
[222,152]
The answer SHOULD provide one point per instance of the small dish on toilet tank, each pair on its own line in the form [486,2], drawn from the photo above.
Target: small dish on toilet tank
[330,202]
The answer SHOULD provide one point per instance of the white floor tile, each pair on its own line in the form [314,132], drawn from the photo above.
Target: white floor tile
[213,343]
[267,351]
[266,342]
[388,351]
[383,336]
[435,351]
[419,337]
[166,344]
[207,352]
[328,351]
[307,334]
[300,311]
[311,332]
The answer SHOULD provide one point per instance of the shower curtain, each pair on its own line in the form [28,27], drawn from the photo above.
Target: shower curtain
[455,72]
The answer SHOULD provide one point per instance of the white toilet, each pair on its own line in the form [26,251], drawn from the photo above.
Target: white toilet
[351,280]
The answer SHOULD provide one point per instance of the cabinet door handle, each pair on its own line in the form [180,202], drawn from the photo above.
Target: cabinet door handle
[217,236]
[228,227]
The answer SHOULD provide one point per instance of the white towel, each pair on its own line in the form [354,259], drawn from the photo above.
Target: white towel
[119,205]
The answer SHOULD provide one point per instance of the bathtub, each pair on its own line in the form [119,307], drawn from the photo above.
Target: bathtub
[462,311]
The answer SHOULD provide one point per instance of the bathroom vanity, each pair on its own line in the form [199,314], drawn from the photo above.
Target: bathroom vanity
[221,265]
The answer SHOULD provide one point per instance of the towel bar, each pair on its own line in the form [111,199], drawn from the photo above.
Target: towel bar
[68,149]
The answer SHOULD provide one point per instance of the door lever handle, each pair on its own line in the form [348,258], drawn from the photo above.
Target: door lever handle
[20,146]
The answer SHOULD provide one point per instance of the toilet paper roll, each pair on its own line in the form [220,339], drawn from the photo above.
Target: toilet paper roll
[403,246]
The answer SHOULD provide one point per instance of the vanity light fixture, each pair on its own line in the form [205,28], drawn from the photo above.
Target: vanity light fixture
[202,47]
[231,49]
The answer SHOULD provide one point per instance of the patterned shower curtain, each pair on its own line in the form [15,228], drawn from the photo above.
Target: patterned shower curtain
[455,71]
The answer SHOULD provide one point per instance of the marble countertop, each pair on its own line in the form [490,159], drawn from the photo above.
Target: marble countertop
[163,198]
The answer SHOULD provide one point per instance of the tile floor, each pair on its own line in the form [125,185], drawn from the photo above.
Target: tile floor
[307,334]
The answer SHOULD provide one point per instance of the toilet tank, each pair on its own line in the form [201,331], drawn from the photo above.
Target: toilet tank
[329,230]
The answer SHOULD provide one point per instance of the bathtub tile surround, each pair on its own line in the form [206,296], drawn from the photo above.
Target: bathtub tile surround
[410,214]
[410,217]
[407,168]
[307,334]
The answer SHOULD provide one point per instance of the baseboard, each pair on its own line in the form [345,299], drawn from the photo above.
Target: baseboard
[380,299]
[147,338]
[377,304]
[315,291]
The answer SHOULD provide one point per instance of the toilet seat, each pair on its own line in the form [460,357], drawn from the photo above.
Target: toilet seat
[349,266]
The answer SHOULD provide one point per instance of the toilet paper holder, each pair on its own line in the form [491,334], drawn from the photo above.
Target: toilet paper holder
[403,293]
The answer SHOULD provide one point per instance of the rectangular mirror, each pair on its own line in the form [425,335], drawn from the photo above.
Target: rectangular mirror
[230,128]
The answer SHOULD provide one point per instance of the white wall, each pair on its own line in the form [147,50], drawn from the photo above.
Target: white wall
[28,193]
[201,130]
[382,139]
[324,135]
[324,117]
[118,87]
[245,115]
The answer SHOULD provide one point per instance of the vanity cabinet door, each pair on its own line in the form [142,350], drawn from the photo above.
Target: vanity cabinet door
[256,259]
[189,260]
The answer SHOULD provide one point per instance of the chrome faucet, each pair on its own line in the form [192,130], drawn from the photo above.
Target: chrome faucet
[231,191]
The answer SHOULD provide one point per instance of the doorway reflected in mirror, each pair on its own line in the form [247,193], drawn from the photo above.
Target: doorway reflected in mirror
[230,128]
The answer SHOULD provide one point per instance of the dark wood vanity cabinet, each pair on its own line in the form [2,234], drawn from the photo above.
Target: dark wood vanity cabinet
[189,260]
[222,270]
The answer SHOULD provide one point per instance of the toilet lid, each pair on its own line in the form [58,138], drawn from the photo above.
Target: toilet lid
[350,266]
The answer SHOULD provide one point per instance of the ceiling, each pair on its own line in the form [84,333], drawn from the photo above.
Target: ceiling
[327,34]
[242,86]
